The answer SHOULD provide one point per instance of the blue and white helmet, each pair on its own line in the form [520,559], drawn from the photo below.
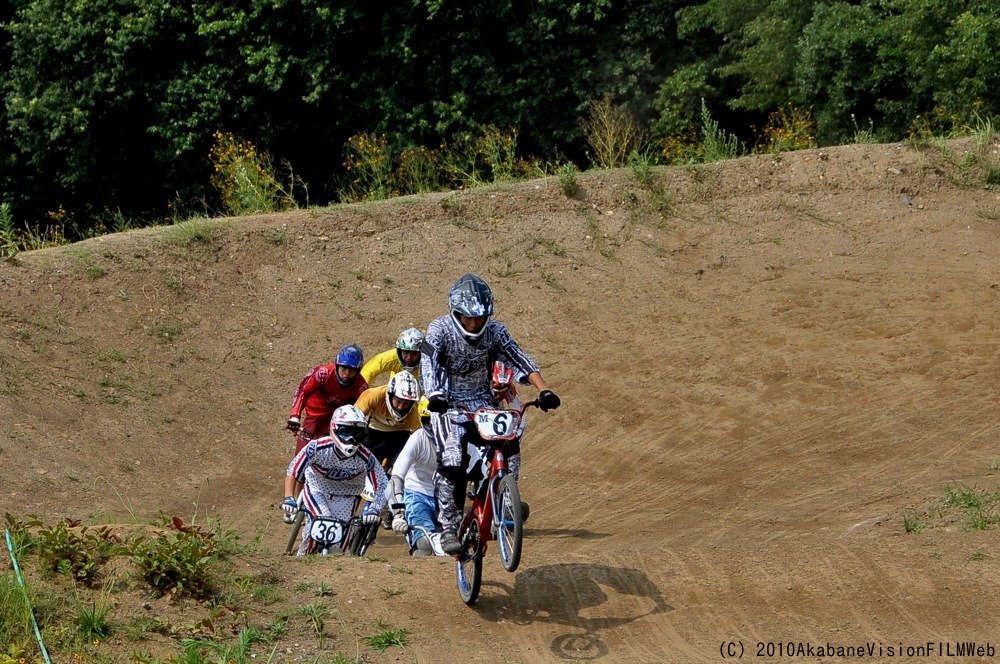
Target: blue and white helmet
[470,296]
[350,356]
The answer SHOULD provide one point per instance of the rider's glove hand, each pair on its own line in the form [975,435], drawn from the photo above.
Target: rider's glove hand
[548,400]
[369,516]
[399,523]
[290,505]
[293,424]
[437,404]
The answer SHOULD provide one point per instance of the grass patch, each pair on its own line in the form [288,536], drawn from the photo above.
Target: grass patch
[389,638]
[980,505]
[193,231]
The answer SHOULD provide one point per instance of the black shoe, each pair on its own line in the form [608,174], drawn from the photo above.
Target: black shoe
[450,543]
[525,511]
[386,520]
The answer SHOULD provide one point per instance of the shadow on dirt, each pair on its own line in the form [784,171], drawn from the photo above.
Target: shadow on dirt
[588,597]
[576,533]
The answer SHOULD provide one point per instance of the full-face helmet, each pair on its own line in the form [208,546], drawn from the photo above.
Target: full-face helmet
[403,386]
[470,297]
[347,428]
[350,356]
[410,339]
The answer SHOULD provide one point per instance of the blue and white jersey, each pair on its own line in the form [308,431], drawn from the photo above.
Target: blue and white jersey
[318,465]
[460,370]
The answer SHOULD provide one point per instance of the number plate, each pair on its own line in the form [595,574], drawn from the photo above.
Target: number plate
[494,424]
[326,530]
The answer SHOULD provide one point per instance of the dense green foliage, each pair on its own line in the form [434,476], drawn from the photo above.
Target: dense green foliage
[111,107]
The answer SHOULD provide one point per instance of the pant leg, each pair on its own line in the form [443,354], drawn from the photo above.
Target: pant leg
[449,479]
[420,510]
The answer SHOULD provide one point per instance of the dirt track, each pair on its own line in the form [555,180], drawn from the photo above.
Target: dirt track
[766,365]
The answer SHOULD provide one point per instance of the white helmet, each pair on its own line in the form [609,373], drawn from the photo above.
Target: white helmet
[402,386]
[347,429]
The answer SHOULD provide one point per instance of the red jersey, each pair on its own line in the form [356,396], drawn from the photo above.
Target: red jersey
[320,393]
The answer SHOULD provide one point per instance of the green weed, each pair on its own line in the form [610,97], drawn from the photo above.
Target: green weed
[912,526]
[979,505]
[567,179]
[392,592]
[389,638]
[717,145]
[91,619]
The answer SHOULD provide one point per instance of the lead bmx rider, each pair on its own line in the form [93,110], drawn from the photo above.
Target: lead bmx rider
[455,366]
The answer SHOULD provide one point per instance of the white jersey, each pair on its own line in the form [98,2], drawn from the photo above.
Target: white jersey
[417,462]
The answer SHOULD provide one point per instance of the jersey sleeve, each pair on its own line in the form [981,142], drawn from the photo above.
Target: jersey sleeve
[312,382]
[384,362]
[433,370]
[513,355]
[297,468]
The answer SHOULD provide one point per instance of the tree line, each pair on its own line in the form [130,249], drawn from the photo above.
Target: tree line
[114,106]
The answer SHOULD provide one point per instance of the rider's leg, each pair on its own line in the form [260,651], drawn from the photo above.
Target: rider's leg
[420,509]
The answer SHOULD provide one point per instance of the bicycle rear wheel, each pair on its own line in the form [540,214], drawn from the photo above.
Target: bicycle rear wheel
[469,568]
[510,530]
[293,537]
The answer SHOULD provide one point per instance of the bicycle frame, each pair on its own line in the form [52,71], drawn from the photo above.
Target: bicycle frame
[495,513]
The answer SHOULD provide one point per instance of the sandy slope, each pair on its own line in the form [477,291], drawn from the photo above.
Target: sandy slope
[765,365]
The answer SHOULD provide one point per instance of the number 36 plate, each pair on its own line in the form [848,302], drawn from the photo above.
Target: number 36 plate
[326,530]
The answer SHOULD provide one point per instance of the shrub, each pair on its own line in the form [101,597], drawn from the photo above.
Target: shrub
[176,562]
[245,178]
[612,132]
[76,553]
[789,128]
[368,161]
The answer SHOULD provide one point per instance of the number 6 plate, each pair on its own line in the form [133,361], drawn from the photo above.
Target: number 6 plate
[326,530]
[495,424]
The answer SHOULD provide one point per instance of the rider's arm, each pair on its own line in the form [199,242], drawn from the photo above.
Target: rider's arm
[307,386]
[382,363]
[433,369]
[379,480]
[515,357]
[290,486]
[535,378]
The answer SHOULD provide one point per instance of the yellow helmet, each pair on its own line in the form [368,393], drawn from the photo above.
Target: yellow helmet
[422,409]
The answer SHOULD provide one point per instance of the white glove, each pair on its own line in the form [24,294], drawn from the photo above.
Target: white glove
[290,506]
[369,516]
[399,523]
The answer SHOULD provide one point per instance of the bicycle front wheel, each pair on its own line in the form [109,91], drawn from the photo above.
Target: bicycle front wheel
[510,529]
[469,568]
[293,537]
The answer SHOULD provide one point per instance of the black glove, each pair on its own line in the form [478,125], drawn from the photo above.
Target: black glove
[293,424]
[548,400]
[437,404]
